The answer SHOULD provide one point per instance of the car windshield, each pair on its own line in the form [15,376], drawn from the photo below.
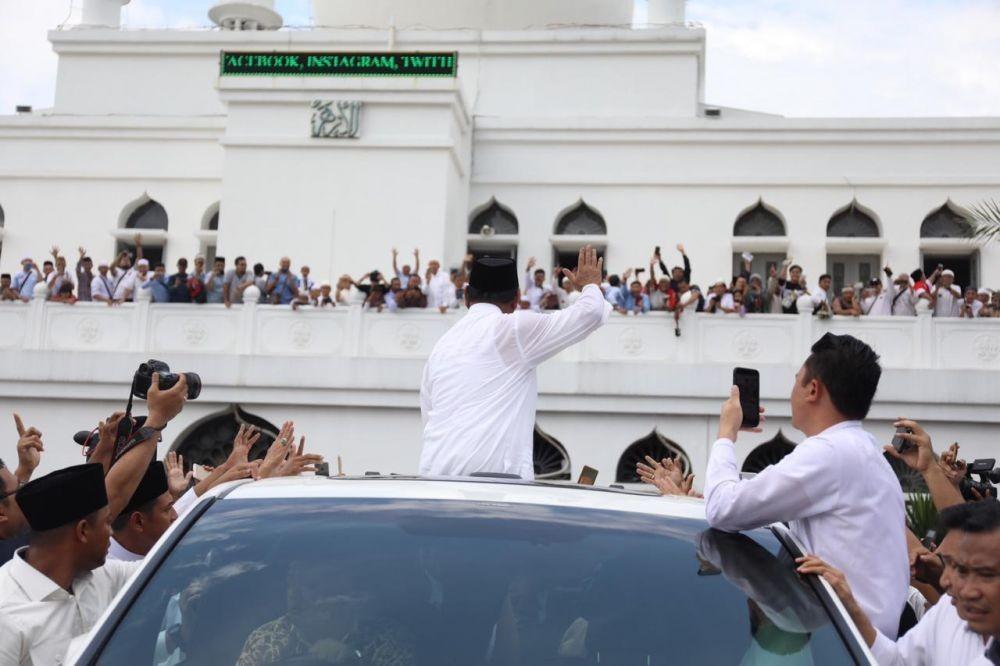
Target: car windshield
[398,581]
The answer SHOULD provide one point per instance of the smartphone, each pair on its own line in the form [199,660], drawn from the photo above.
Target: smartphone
[587,477]
[901,443]
[322,469]
[640,270]
[657,251]
[748,381]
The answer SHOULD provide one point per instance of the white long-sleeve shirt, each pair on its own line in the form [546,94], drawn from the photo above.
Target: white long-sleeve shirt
[182,505]
[38,618]
[479,387]
[941,638]
[437,290]
[840,498]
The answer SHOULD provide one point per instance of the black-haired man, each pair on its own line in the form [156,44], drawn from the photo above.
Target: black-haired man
[836,490]
[59,585]
[963,627]
[145,518]
[479,387]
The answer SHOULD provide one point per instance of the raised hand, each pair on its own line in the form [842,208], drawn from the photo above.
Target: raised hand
[919,457]
[731,417]
[395,253]
[531,263]
[588,269]
[245,438]
[29,450]
[680,248]
[177,481]
[82,251]
[279,450]
[165,405]
[299,461]
[954,469]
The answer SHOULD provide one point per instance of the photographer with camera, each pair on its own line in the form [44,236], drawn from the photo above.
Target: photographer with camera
[57,586]
[836,490]
[964,627]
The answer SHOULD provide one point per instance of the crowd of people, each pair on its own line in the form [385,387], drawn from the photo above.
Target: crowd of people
[71,539]
[630,292]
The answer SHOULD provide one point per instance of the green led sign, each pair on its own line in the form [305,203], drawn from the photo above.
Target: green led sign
[338,64]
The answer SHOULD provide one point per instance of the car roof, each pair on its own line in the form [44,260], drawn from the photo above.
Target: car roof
[464,489]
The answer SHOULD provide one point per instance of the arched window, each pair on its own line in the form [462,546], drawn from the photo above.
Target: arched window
[493,219]
[852,222]
[213,222]
[945,222]
[581,220]
[654,445]
[760,220]
[150,215]
[210,440]
[550,458]
[769,453]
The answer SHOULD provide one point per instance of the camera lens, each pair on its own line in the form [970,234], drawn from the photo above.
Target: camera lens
[193,385]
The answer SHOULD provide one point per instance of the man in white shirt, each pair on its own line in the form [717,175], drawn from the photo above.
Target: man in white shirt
[102,287]
[479,387]
[534,286]
[881,304]
[145,518]
[836,490]
[963,628]
[59,585]
[438,286]
[904,302]
[946,294]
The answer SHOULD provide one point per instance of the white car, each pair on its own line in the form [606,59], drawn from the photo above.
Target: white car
[398,571]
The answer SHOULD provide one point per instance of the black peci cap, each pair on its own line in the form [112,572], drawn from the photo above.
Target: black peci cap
[63,497]
[494,275]
[152,485]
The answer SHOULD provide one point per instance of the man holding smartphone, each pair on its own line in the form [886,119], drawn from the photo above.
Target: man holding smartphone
[836,491]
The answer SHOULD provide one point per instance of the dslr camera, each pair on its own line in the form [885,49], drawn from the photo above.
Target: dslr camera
[142,380]
[988,473]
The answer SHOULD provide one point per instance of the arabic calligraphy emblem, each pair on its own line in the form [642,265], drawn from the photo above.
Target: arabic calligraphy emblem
[336,119]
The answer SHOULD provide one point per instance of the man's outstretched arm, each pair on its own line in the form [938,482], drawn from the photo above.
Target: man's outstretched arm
[799,486]
[541,336]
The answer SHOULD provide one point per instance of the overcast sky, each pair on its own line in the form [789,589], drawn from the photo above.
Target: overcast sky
[793,57]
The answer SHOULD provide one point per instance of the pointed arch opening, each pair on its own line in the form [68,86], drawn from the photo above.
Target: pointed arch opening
[853,221]
[759,220]
[581,220]
[209,441]
[147,218]
[493,219]
[147,215]
[769,453]
[550,458]
[948,221]
[654,445]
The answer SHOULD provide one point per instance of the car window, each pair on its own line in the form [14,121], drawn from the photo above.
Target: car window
[397,582]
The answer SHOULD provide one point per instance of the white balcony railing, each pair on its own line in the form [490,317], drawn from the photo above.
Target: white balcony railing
[251,329]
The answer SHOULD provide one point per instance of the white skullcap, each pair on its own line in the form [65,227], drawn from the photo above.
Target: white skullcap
[103,263]
[142,262]
[948,272]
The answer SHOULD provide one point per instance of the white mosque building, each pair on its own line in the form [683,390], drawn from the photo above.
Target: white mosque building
[528,127]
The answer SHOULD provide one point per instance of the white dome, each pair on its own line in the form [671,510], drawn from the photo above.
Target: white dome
[485,14]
